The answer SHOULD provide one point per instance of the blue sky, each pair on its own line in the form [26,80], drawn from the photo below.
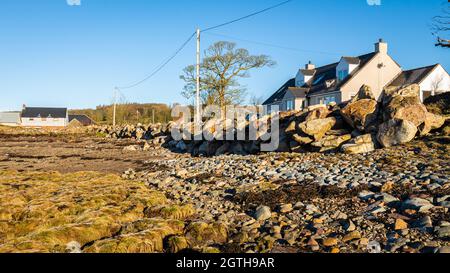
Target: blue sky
[53,54]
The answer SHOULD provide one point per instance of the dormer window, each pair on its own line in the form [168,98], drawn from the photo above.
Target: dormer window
[300,83]
[346,67]
[342,75]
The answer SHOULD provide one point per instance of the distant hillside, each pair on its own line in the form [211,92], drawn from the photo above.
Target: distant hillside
[128,113]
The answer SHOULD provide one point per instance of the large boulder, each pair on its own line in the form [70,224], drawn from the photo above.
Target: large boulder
[406,108]
[360,144]
[318,128]
[361,114]
[364,93]
[318,113]
[302,140]
[358,148]
[395,132]
[332,141]
[432,122]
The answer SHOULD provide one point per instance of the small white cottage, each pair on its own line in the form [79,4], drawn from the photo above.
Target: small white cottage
[44,117]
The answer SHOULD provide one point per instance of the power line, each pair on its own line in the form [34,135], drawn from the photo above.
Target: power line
[247,16]
[273,45]
[159,68]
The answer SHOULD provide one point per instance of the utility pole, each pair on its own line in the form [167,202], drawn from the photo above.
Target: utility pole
[153,116]
[197,97]
[114,107]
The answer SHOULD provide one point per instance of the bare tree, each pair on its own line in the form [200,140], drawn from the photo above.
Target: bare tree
[441,25]
[221,69]
[256,100]
[436,84]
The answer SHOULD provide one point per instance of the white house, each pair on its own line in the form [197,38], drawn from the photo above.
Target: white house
[10,118]
[432,80]
[340,82]
[44,117]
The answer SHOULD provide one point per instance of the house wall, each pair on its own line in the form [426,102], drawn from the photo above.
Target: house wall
[10,118]
[44,122]
[437,82]
[320,99]
[296,102]
[372,75]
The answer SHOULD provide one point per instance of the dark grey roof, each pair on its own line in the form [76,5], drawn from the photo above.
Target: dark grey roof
[298,92]
[328,73]
[323,74]
[308,72]
[38,112]
[352,60]
[279,94]
[83,119]
[413,76]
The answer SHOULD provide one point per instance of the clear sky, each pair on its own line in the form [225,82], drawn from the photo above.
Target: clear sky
[53,54]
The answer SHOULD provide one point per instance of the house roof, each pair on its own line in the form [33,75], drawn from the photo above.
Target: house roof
[308,72]
[279,94]
[352,60]
[413,76]
[298,92]
[38,112]
[323,75]
[9,117]
[83,119]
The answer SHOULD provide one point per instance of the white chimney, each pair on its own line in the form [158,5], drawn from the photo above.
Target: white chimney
[310,66]
[381,47]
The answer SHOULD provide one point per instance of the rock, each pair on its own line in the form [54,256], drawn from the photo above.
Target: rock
[418,204]
[349,226]
[444,250]
[263,213]
[432,122]
[328,242]
[406,108]
[354,235]
[443,232]
[73,247]
[302,140]
[423,222]
[318,128]
[361,114]
[358,148]
[366,195]
[131,148]
[318,113]
[365,92]
[395,132]
[332,141]
[292,128]
[286,208]
[313,244]
[400,224]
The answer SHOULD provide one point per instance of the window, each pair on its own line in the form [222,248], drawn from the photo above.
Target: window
[342,74]
[289,105]
[316,81]
[300,83]
[329,99]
